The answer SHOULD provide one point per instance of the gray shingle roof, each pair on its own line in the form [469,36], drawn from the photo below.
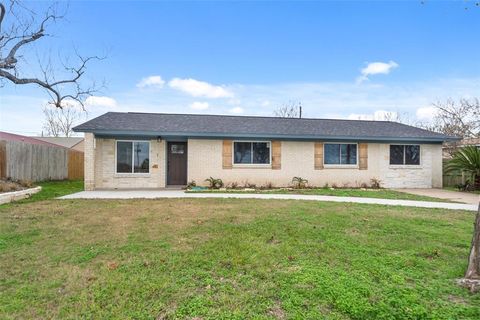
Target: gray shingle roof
[193,125]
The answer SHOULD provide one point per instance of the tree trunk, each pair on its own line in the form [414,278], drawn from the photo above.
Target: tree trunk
[473,269]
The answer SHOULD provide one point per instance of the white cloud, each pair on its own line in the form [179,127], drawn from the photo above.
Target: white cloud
[265,103]
[319,100]
[379,115]
[197,88]
[97,101]
[68,103]
[199,105]
[236,110]
[151,82]
[376,68]
[426,113]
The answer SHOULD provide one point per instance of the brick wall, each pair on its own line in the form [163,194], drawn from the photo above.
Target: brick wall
[205,160]
[107,178]
[297,159]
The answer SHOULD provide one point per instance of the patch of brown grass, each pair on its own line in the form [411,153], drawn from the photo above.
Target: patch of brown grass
[9,186]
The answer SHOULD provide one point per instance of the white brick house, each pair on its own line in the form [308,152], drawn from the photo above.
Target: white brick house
[141,150]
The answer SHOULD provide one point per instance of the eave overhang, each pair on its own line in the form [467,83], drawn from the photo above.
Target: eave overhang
[246,136]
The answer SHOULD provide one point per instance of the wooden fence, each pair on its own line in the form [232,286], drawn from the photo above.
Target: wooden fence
[3,159]
[75,165]
[452,179]
[34,162]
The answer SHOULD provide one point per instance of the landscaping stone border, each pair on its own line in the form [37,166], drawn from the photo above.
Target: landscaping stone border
[8,197]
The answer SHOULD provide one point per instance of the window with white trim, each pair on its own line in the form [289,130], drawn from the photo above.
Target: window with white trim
[405,154]
[340,153]
[251,152]
[133,157]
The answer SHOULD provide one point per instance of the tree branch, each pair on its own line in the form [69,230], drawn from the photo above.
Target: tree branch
[22,33]
[2,15]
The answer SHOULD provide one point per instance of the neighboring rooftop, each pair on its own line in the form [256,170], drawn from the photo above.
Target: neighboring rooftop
[67,142]
[16,137]
[194,125]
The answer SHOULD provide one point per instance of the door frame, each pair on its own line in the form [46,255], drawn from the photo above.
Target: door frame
[167,149]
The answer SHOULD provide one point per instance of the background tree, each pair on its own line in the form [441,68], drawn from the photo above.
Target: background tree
[457,118]
[60,121]
[20,27]
[291,109]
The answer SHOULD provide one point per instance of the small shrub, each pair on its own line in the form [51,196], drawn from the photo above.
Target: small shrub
[299,183]
[364,185]
[249,185]
[214,183]
[269,185]
[25,183]
[345,185]
[467,186]
[234,185]
[334,186]
[191,184]
[326,185]
[375,183]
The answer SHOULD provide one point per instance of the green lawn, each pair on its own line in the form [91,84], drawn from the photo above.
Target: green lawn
[232,259]
[363,193]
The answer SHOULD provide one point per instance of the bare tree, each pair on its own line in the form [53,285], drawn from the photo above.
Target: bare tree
[457,118]
[60,121]
[291,109]
[19,27]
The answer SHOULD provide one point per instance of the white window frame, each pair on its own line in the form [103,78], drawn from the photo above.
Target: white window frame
[252,164]
[340,165]
[133,159]
[404,165]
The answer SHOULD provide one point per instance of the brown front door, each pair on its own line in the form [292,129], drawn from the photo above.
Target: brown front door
[177,163]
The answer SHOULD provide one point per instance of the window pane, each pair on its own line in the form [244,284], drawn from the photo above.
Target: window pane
[177,148]
[332,153]
[261,152]
[396,154]
[348,153]
[141,157]
[412,154]
[242,152]
[124,157]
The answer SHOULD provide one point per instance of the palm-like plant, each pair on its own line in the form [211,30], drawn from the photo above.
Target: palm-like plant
[467,160]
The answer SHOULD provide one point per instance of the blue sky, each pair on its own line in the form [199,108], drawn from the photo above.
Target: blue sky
[250,57]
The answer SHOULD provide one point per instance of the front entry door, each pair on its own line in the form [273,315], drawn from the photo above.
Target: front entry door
[177,163]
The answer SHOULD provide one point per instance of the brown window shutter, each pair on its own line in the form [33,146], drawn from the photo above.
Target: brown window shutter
[227,154]
[363,156]
[318,156]
[276,155]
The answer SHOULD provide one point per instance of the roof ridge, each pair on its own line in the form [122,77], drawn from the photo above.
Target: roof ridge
[253,116]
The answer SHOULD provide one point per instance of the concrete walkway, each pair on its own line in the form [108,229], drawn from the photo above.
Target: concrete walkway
[157,194]
[457,196]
